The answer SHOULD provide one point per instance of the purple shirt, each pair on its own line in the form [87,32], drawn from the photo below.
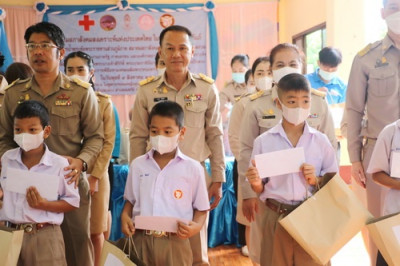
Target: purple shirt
[15,206]
[318,151]
[174,191]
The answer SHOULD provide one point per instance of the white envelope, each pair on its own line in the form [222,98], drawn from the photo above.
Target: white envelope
[20,180]
[395,169]
[158,223]
[280,162]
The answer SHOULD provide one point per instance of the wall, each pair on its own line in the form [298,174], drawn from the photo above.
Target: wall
[296,16]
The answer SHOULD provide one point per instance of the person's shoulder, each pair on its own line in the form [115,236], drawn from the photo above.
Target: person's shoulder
[259,94]
[203,78]
[369,48]
[76,82]
[149,81]
[389,130]
[139,161]
[318,94]
[56,158]
[103,97]
[10,153]
[18,83]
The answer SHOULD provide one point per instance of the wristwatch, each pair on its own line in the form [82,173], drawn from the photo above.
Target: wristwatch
[84,166]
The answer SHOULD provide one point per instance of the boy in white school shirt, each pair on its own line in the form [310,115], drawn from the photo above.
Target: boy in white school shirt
[43,242]
[380,166]
[284,193]
[165,182]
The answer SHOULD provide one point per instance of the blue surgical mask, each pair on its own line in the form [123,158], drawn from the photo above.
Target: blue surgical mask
[238,77]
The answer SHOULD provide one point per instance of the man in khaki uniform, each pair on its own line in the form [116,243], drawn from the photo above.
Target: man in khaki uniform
[373,90]
[198,97]
[77,130]
[261,114]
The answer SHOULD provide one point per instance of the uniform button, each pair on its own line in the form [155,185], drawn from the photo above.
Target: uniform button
[67,86]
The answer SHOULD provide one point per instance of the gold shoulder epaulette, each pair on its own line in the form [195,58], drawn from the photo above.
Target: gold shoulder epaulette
[318,93]
[368,48]
[102,94]
[146,80]
[81,83]
[256,95]
[12,84]
[241,96]
[206,78]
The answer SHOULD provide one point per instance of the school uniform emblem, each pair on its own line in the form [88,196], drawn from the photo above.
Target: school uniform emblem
[178,194]
[313,115]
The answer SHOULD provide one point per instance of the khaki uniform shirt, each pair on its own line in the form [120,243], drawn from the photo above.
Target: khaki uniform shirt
[230,93]
[77,130]
[374,89]
[100,167]
[261,114]
[235,122]
[200,102]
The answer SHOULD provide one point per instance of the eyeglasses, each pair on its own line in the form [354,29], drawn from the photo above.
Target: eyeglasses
[43,46]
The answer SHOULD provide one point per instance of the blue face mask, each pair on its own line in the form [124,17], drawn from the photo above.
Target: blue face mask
[238,77]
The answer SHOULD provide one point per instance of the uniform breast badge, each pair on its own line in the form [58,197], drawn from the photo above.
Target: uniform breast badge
[190,98]
[313,115]
[63,100]
[270,114]
[24,98]
[381,62]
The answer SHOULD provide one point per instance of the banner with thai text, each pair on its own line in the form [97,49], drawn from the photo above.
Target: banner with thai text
[123,44]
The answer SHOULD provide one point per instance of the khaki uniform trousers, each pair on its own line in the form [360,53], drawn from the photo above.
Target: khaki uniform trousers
[44,247]
[162,251]
[75,228]
[278,248]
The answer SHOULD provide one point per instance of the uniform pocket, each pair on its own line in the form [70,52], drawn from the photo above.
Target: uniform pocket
[65,120]
[382,81]
[194,115]
[267,123]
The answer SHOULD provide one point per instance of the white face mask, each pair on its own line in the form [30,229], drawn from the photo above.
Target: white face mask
[160,71]
[264,83]
[393,22]
[79,77]
[164,144]
[326,75]
[251,89]
[280,73]
[238,77]
[295,116]
[29,141]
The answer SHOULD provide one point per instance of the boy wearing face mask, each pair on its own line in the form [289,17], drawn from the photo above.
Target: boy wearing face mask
[39,218]
[282,194]
[165,182]
[325,77]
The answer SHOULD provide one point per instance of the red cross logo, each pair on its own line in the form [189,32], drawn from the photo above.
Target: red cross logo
[86,23]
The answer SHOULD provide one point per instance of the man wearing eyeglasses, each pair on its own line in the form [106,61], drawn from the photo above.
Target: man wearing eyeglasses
[77,130]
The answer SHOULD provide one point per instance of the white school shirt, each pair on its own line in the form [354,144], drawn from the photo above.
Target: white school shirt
[174,191]
[318,151]
[15,206]
[387,143]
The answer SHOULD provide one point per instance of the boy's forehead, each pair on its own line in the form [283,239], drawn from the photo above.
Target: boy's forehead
[27,120]
[163,121]
[300,93]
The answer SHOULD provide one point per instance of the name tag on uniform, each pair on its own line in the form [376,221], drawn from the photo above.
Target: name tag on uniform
[268,117]
[160,99]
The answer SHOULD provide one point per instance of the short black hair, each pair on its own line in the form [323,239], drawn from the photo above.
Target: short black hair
[293,82]
[51,30]
[168,109]
[175,28]
[157,58]
[247,76]
[242,58]
[330,56]
[31,108]
[80,54]
[257,62]
[18,70]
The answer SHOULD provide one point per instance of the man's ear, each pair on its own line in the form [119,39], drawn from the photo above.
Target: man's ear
[46,132]
[61,53]
[278,104]
[182,133]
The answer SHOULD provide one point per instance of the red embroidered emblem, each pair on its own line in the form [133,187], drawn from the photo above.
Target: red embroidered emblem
[178,194]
